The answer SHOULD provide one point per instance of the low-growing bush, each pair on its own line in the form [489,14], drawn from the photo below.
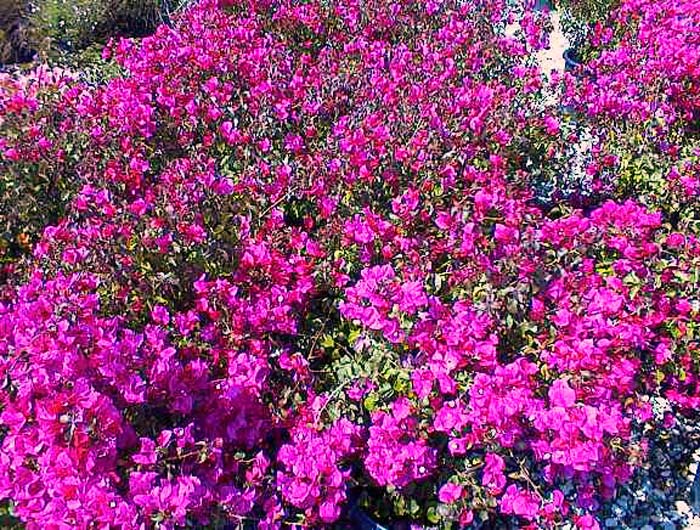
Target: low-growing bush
[58,31]
[580,19]
[15,44]
[73,25]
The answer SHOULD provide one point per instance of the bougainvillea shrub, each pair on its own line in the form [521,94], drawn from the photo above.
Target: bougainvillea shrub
[640,96]
[301,263]
[37,166]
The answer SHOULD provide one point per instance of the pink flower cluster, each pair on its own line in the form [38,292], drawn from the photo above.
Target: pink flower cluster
[311,479]
[396,457]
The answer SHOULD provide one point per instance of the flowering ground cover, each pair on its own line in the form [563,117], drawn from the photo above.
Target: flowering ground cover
[296,255]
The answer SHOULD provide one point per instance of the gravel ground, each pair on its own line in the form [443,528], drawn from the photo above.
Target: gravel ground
[661,494]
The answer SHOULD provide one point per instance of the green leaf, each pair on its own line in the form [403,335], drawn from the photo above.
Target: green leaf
[354,335]
[370,402]
[432,515]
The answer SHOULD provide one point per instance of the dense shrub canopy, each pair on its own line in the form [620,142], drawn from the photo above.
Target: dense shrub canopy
[299,253]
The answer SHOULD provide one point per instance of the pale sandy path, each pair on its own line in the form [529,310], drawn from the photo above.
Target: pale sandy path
[553,58]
